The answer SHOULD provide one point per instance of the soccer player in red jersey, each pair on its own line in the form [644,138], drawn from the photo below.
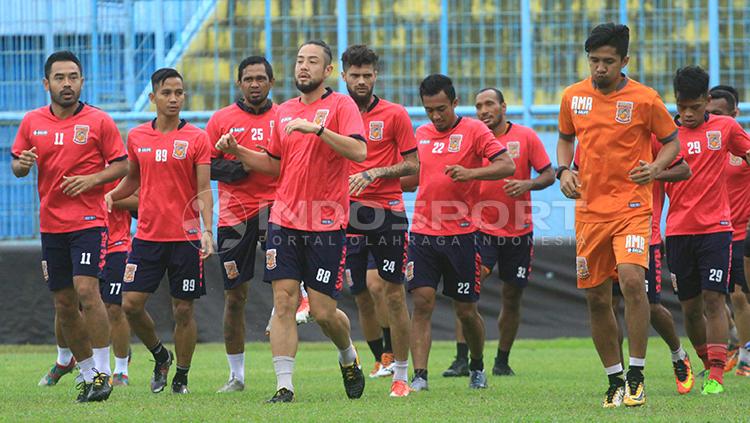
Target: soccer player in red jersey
[170,161]
[699,226]
[724,102]
[71,143]
[376,251]
[316,137]
[244,201]
[453,153]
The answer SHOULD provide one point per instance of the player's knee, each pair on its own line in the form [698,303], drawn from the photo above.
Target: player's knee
[89,297]
[423,305]
[183,312]
[322,314]
[598,302]
[235,301]
[365,303]
[739,300]
[284,304]
[395,298]
[114,312]
[466,312]
[132,309]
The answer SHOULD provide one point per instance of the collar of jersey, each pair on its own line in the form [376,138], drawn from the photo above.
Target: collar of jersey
[374,103]
[245,108]
[78,109]
[328,92]
[620,86]
[183,122]
[706,116]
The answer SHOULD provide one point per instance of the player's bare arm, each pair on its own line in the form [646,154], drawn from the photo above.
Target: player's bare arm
[409,166]
[127,187]
[206,204]
[23,164]
[517,187]
[501,167]
[410,183]
[251,160]
[130,203]
[348,147]
[78,184]
[570,184]
[676,173]
[646,172]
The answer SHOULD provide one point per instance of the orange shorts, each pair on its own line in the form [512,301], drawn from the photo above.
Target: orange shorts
[601,246]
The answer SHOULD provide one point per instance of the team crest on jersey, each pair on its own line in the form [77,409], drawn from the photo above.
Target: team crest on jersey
[45,273]
[130,269]
[624,113]
[514,149]
[348,276]
[582,268]
[320,116]
[714,140]
[80,134]
[376,131]
[454,143]
[179,150]
[231,268]
[735,160]
[271,259]
[409,272]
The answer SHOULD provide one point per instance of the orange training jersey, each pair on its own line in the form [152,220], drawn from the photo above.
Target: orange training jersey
[614,133]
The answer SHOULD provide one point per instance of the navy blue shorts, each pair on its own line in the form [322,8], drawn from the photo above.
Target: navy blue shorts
[149,260]
[737,274]
[454,258]
[511,254]
[653,275]
[110,278]
[69,254]
[699,262]
[747,246]
[237,247]
[317,258]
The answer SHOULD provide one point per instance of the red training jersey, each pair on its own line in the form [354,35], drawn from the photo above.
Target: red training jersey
[242,200]
[167,208]
[118,226]
[313,188]
[389,136]
[81,144]
[738,181]
[444,207]
[700,205]
[503,215]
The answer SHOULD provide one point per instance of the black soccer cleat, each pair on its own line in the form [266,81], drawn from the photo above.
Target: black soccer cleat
[354,379]
[500,369]
[161,371]
[101,388]
[84,389]
[179,387]
[459,367]
[282,395]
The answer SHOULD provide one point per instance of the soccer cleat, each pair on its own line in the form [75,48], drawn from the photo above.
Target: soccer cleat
[179,387]
[683,375]
[635,395]
[743,369]
[478,380]
[419,384]
[733,356]
[100,389]
[459,367]
[120,379]
[282,395]
[56,372]
[354,379]
[399,388]
[233,385]
[613,397]
[161,370]
[303,311]
[502,370]
[84,389]
[712,387]
[375,370]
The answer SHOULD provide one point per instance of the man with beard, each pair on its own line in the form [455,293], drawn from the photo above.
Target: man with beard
[244,201]
[317,135]
[71,143]
[378,222]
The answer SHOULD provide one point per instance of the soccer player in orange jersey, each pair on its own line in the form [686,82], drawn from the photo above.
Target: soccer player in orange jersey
[613,118]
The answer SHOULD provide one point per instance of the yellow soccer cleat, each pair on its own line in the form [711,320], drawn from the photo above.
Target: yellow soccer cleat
[635,395]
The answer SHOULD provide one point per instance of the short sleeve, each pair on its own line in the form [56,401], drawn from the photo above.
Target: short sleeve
[739,141]
[486,145]
[564,119]
[132,156]
[213,131]
[111,144]
[662,123]
[404,132]
[22,141]
[202,149]
[349,119]
[656,147]
[274,145]
[538,156]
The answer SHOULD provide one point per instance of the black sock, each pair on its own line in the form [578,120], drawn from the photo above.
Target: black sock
[376,347]
[616,379]
[502,357]
[635,373]
[420,373]
[462,351]
[161,355]
[476,363]
[181,375]
[387,340]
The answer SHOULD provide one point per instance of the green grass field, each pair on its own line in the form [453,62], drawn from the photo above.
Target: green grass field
[556,380]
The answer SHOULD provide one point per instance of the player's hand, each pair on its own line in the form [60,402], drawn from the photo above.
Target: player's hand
[28,158]
[515,187]
[644,173]
[227,144]
[301,125]
[207,244]
[108,201]
[570,184]
[74,185]
[359,181]
[459,173]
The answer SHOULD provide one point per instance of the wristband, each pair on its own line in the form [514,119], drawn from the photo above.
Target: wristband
[560,170]
[320,131]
